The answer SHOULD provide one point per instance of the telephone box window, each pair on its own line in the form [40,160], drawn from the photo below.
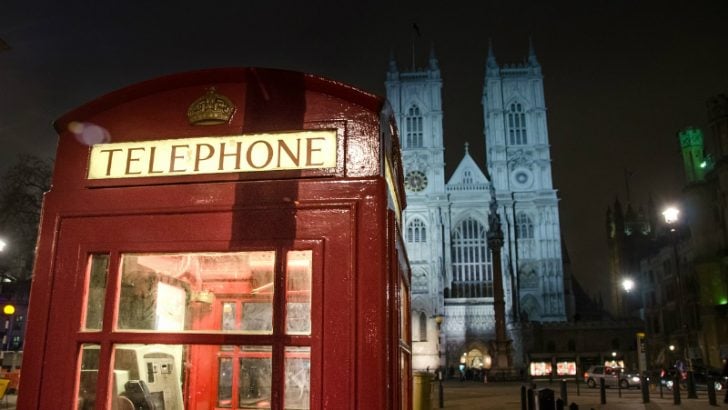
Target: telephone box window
[298,378]
[256,370]
[298,293]
[95,291]
[147,376]
[89,377]
[182,292]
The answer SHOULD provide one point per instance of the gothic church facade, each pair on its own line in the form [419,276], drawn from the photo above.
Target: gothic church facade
[446,220]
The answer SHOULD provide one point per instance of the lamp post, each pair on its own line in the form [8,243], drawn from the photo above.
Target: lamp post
[672,216]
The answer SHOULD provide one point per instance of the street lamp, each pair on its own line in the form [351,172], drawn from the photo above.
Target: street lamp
[3,244]
[627,284]
[671,215]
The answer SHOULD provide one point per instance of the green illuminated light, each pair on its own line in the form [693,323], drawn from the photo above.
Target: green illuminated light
[703,164]
[723,301]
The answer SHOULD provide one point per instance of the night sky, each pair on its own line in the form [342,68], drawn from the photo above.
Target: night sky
[621,77]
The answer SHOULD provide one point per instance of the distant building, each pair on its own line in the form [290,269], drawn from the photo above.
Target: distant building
[446,219]
[681,267]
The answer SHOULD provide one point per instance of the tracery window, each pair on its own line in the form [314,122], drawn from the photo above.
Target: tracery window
[416,231]
[517,125]
[524,226]
[472,266]
[413,128]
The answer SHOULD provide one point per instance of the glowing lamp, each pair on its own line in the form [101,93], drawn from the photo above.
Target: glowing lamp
[9,309]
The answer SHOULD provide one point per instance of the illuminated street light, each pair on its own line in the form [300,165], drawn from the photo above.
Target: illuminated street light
[3,244]
[627,284]
[671,215]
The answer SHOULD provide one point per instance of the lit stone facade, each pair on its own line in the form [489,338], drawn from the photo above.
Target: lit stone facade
[445,222]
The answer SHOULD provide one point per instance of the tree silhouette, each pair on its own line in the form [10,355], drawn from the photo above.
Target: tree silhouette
[22,186]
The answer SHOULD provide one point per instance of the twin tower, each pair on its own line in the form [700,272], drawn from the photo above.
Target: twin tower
[446,221]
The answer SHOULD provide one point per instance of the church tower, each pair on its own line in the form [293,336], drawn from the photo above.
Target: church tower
[416,99]
[519,161]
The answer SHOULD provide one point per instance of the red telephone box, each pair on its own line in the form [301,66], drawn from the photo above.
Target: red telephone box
[222,239]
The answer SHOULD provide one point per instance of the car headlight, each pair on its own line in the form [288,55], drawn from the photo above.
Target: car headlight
[636,379]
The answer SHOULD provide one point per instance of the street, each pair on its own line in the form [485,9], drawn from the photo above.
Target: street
[507,395]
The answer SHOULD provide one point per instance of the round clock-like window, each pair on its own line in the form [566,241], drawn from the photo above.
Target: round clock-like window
[522,178]
[415,181]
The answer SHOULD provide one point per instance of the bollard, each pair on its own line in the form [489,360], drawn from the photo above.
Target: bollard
[619,387]
[564,391]
[421,391]
[546,399]
[531,400]
[711,392]
[578,393]
[441,396]
[573,406]
[676,388]
[692,393]
[645,385]
[559,404]
[659,381]
[602,392]
[524,399]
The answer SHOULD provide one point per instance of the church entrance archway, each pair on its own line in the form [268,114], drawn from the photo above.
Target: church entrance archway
[477,357]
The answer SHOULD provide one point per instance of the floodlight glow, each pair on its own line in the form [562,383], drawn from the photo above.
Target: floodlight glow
[627,284]
[671,214]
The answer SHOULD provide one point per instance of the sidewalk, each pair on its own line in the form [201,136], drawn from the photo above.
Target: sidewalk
[8,402]
[507,395]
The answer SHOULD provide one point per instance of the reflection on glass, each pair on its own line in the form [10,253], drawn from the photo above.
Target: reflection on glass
[298,378]
[298,292]
[184,292]
[88,377]
[254,390]
[98,269]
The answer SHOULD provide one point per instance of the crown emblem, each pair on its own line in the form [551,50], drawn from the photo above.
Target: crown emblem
[210,109]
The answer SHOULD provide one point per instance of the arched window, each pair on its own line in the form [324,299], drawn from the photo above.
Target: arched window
[423,327]
[413,128]
[416,231]
[467,177]
[524,226]
[517,125]
[472,266]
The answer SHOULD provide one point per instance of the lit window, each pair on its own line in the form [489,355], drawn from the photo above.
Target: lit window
[517,125]
[472,266]
[413,128]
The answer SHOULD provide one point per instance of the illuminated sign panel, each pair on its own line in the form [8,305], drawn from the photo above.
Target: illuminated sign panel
[214,155]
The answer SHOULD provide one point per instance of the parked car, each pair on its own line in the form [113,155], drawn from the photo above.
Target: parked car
[613,377]
[701,379]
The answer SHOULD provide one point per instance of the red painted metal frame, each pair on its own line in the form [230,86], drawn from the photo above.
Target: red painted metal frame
[347,217]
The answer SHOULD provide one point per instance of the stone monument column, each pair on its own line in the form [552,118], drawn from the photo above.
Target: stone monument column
[502,363]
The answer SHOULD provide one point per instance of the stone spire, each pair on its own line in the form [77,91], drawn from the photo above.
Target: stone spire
[531,53]
[434,65]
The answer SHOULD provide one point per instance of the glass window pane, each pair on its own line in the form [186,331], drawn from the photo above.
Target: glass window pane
[298,292]
[148,376]
[298,378]
[88,377]
[98,269]
[256,370]
[225,382]
[197,292]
